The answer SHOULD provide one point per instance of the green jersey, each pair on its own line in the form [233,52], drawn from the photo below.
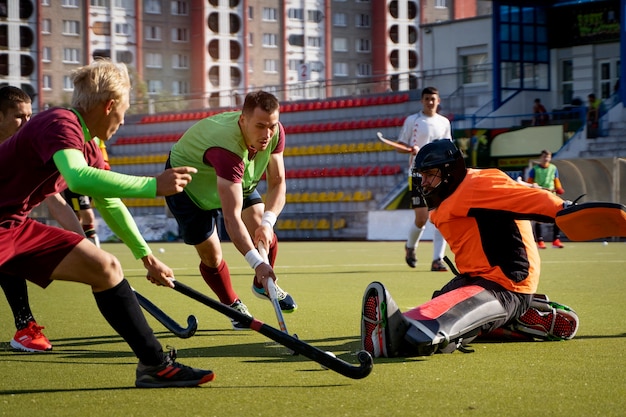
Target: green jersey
[544,177]
[221,131]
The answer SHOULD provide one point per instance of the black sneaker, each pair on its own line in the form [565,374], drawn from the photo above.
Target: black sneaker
[171,374]
[409,257]
[287,304]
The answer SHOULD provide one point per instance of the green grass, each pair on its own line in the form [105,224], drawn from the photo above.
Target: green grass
[90,372]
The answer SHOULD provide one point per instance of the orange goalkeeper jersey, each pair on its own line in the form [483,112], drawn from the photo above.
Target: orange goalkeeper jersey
[486,223]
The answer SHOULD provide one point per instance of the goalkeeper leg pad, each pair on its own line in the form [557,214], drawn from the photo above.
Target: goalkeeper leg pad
[452,319]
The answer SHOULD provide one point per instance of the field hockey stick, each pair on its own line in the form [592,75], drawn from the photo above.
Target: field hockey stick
[167,321]
[271,289]
[296,345]
[396,145]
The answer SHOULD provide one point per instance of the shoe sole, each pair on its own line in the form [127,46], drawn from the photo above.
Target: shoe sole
[18,346]
[172,384]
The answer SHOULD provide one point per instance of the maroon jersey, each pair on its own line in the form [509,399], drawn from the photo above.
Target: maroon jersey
[27,171]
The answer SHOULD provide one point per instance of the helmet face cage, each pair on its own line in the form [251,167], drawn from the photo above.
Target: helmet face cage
[443,155]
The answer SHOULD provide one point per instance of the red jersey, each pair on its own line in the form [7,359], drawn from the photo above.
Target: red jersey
[28,173]
[486,223]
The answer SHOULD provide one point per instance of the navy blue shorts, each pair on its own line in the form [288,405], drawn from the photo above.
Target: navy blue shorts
[195,224]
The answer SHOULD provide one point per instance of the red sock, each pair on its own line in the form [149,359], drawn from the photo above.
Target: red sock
[218,280]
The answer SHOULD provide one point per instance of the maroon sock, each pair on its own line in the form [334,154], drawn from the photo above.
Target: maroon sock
[218,280]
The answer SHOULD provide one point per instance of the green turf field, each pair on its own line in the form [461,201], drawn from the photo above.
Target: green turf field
[91,370]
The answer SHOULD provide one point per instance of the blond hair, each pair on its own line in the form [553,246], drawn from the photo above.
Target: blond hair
[99,81]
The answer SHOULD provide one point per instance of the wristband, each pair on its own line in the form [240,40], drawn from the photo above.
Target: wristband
[269,218]
[253,257]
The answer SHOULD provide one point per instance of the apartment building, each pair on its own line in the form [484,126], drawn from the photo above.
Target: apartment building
[190,54]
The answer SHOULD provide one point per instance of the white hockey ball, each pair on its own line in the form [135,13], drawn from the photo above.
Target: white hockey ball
[161,250]
[329,354]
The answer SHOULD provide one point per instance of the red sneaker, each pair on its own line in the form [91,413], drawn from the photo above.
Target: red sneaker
[541,244]
[557,244]
[30,339]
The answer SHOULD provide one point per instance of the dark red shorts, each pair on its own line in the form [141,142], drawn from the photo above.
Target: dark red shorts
[32,250]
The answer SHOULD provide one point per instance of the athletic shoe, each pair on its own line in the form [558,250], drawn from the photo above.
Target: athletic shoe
[550,321]
[541,244]
[30,339]
[409,257]
[171,374]
[287,304]
[556,243]
[438,265]
[240,307]
[382,324]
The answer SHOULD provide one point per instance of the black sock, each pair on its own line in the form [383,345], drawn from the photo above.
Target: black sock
[17,295]
[120,308]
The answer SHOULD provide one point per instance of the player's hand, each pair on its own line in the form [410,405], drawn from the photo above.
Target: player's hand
[559,191]
[158,272]
[174,180]
[262,273]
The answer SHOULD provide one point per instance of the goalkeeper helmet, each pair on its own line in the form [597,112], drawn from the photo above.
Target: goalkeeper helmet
[441,154]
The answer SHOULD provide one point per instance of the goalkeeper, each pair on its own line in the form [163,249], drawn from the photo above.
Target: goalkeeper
[484,216]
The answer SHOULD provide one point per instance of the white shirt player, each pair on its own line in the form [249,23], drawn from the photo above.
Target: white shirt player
[419,129]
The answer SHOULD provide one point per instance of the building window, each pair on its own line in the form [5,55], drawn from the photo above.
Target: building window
[71,55]
[180,88]
[363,70]
[340,45]
[474,68]
[567,81]
[270,40]
[362,20]
[46,26]
[155,86]
[123,4]
[270,14]
[46,82]
[153,6]
[180,35]
[314,41]
[180,61]
[340,20]
[45,2]
[122,29]
[68,85]
[294,64]
[46,54]
[71,27]
[295,14]
[100,3]
[314,16]
[154,60]
[363,45]
[65,3]
[153,33]
[340,69]
[180,8]
[441,4]
[270,65]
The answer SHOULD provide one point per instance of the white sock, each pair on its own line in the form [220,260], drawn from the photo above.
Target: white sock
[439,245]
[415,234]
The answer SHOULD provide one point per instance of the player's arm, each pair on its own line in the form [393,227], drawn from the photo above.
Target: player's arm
[275,197]
[63,213]
[231,197]
[94,182]
[116,215]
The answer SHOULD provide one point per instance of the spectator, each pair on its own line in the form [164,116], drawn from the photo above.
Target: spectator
[540,114]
